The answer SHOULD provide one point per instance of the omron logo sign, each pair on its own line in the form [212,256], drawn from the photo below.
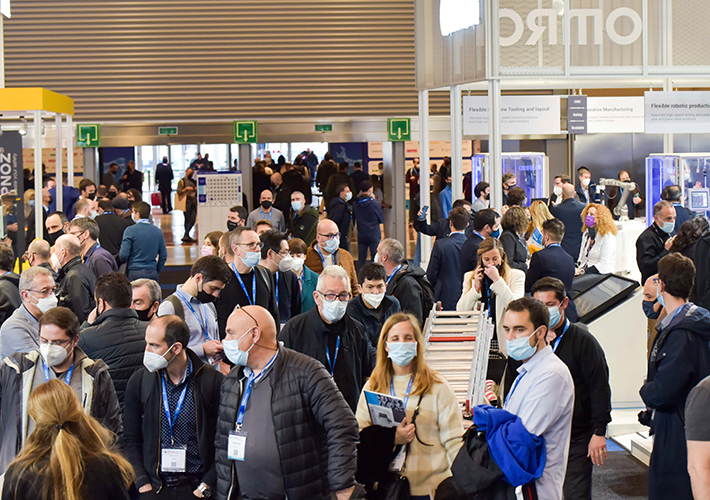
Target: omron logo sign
[457,15]
[540,20]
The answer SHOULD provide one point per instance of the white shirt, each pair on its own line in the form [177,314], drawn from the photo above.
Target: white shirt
[543,397]
[602,255]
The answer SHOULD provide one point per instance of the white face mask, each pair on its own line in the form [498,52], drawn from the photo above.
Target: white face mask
[54,355]
[333,311]
[46,303]
[298,264]
[374,299]
[154,362]
[286,264]
[55,262]
[348,196]
[557,190]
[585,182]
[376,260]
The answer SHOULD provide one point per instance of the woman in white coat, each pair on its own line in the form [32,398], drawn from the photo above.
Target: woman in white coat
[597,255]
[495,284]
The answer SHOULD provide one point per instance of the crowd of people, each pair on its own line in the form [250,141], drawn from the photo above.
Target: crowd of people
[254,379]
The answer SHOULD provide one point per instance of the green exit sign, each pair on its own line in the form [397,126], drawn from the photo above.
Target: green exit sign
[245,132]
[399,129]
[324,128]
[167,131]
[88,135]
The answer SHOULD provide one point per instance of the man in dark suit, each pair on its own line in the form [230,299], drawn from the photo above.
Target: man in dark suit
[359,176]
[440,228]
[164,179]
[570,213]
[444,271]
[553,262]
[485,223]
[340,212]
[111,227]
[586,190]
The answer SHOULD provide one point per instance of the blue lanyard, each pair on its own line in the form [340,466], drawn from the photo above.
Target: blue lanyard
[479,235]
[143,221]
[247,392]
[389,278]
[335,256]
[251,300]
[406,394]
[264,216]
[204,326]
[553,245]
[112,213]
[556,342]
[166,405]
[91,252]
[335,358]
[67,378]
[277,288]
[515,386]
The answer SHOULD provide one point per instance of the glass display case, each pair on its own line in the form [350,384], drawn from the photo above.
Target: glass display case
[688,170]
[531,171]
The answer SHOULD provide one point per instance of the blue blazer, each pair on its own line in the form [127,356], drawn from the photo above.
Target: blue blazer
[141,244]
[444,271]
[570,213]
[553,262]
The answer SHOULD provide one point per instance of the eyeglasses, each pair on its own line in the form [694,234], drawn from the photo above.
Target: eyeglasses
[60,343]
[240,308]
[45,291]
[252,246]
[329,236]
[330,297]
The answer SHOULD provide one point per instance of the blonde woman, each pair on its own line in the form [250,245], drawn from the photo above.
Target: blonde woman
[494,283]
[539,213]
[68,456]
[597,255]
[435,437]
[29,198]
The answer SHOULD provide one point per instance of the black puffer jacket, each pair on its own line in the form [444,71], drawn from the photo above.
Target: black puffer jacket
[316,432]
[9,295]
[75,288]
[117,337]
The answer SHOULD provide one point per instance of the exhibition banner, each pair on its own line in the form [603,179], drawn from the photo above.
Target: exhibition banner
[520,115]
[677,112]
[615,115]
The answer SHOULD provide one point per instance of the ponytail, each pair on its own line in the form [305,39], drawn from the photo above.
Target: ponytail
[66,465]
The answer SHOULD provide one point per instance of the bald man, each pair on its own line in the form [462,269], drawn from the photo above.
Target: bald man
[277,387]
[75,281]
[38,255]
[267,211]
[570,213]
[325,251]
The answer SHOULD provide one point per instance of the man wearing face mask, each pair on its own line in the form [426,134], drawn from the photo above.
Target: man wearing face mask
[266,211]
[372,307]
[237,216]
[85,208]
[303,218]
[170,416]
[584,357]
[570,213]
[328,334]
[326,251]
[146,298]
[655,242]
[251,284]
[75,281]
[37,255]
[307,279]
[482,192]
[57,357]
[276,257]
[675,196]
[367,215]
[113,332]
[19,332]
[259,452]
[543,392]
[56,225]
[586,190]
[340,212]
[193,302]
[143,244]
[96,258]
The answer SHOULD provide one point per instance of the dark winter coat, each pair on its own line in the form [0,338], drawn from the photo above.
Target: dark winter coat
[9,295]
[75,288]
[406,289]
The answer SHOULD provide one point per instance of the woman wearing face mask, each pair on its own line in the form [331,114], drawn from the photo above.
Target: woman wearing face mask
[597,255]
[307,279]
[211,246]
[434,438]
[495,284]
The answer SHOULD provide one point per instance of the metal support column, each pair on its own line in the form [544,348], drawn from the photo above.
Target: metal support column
[39,219]
[424,187]
[70,152]
[456,140]
[59,162]
[495,146]
[393,176]
[245,163]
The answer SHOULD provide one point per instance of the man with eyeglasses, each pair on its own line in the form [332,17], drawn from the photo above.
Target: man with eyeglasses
[276,257]
[252,284]
[57,357]
[328,334]
[325,251]
[93,255]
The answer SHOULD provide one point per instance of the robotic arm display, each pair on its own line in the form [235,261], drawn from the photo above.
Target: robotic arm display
[620,210]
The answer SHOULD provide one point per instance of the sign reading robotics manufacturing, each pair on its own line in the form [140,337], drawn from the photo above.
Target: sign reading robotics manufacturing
[539,21]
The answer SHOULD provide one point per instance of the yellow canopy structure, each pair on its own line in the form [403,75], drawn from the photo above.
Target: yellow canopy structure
[35,98]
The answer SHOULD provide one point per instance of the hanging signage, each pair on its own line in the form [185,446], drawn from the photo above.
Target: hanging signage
[399,129]
[615,115]
[520,115]
[677,112]
[12,180]
[245,132]
[167,131]
[577,114]
[88,135]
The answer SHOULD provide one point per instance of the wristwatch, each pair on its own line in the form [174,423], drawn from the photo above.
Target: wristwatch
[205,490]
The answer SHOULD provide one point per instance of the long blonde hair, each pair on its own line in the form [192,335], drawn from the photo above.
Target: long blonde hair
[424,376]
[69,436]
[493,244]
[604,221]
[539,213]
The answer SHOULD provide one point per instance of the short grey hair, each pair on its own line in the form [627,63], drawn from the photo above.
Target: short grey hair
[393,249]
[86,224]
[156,294]
[660,206]
[333,272]
[27,278]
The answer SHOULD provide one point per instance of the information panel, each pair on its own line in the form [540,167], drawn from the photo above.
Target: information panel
[677,112]
[520,115]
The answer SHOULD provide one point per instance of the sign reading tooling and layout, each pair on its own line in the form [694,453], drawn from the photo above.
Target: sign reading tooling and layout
[245,132]
[520,115]
[677,112]
[88,135]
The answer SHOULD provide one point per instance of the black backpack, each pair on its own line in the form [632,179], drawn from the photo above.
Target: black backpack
[427,295]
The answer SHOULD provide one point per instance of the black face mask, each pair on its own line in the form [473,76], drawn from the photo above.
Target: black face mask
[205,297]
[231,225]
[266,204]
[487,196]
[648,309]
[91,196]
[51,199]
[144,315]
[52,237]
[130,203]
[111,195]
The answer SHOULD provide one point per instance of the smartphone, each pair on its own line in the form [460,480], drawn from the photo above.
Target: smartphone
[425,209]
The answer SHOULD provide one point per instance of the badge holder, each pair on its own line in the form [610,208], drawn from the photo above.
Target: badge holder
[174,459]
[237,444]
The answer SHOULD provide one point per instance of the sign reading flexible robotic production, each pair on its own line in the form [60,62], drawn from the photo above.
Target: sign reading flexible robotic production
[245,132]
[399,129]
[88,135]
[677,112]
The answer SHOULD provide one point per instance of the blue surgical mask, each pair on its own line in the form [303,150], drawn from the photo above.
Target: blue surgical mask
[332,244]
[495,233]
[296,205]
[660,298]
[402,353]
[668,227]
[555,316]
[233,353]
[252,259]
[648,309]
[520,349]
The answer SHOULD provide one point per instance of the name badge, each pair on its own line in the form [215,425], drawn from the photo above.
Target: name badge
[237,445]
[173,460]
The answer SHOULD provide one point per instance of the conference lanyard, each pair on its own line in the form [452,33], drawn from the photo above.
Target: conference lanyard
[247,392]
[277,288]
[406,394]
[389,278]
[554,245]
[203,326]
[264,216]
[67,378]
[253,285]
[515,386]
[178,407]
[335,256]
[335,358]
[479,235]
[556,342]
[300,282]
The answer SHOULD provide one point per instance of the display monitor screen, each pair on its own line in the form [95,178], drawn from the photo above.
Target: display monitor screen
[699,200]
[603,296]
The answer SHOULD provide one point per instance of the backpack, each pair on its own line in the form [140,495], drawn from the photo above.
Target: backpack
[427,294]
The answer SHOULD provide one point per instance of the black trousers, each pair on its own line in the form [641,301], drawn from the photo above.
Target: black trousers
[165,202]
[190,217]
[578,481]
[175,493]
